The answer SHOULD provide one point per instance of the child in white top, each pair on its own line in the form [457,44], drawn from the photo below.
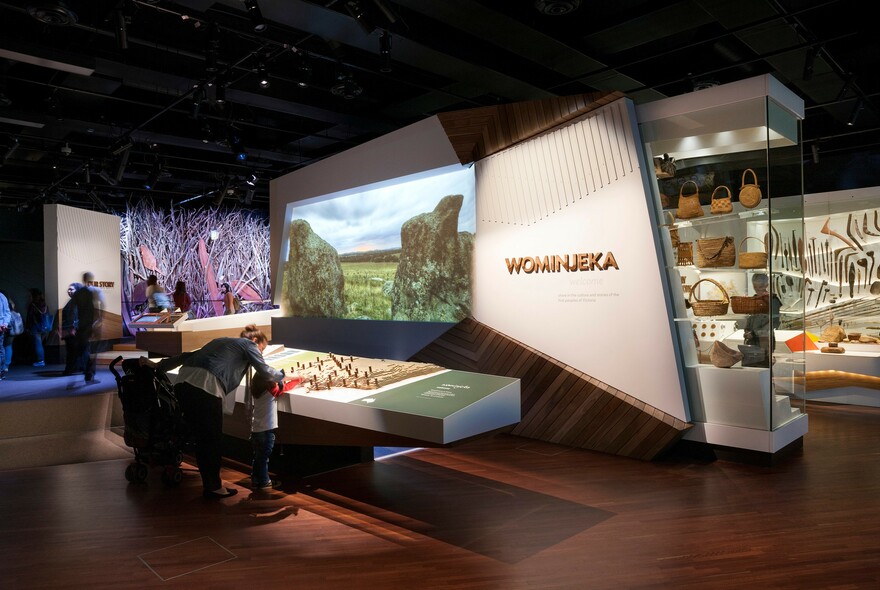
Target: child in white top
[264,423]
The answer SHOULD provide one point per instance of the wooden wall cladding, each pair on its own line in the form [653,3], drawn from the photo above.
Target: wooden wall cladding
[559,404]
[480,132]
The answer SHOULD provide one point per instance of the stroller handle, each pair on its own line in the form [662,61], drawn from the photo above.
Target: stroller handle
[113,364]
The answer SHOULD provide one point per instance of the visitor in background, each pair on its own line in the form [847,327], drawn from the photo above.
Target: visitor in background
[69,320]
[182,300]
[5,320]
[15,328]
[38,324]
[228,300]
[157,298]
[89,301]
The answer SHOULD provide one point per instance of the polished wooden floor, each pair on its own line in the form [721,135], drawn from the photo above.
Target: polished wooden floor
[500,512]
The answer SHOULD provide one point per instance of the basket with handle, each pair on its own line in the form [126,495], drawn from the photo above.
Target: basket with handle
[720,205]
[752,259]
[750,194]
[689,204]
[708,307]
[715,252]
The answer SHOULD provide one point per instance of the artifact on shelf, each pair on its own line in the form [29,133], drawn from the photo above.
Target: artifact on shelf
[689,205]
[752,259]
[750,194]
[833,333]
[833,348]
[724,357]
[708,307]
[749,304]
[716,252]
[720,205]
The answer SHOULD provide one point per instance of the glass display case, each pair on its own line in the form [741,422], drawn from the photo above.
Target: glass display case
[729,202]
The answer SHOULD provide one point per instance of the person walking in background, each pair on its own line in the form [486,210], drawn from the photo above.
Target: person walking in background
[38,318]
[206,387]
[182,300]
[16,328]
[89,301]
[157,298]
[5,321]
[69,321]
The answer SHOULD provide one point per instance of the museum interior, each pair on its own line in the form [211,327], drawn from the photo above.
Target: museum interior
[564,295]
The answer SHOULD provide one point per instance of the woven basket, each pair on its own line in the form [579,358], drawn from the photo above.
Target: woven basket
[750,194]
[749,305]
[752,259]
[724,357]
[685,254]
[720,205]
[715,252]
[708,307]
[689,205]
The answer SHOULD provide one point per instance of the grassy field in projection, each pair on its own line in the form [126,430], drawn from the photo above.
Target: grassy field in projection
[368,289]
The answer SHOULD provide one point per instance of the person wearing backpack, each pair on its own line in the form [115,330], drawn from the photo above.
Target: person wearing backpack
[38,324]
[5,321]
[15,328]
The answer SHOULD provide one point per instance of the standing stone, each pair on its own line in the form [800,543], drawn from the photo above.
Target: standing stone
[313,280]
[433,280]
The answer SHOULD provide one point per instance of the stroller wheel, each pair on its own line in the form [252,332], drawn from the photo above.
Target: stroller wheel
[129,472]
[178,458]
[172,476]
[141,472]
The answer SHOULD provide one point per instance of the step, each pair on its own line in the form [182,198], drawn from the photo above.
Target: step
[106,357]
[125,346]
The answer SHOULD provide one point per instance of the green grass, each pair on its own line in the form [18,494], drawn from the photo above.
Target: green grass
[365,289]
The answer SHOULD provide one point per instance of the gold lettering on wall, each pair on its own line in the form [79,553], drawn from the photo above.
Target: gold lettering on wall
[580,262]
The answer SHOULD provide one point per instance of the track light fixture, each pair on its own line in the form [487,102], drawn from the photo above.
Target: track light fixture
[251,180]
[847,84]
[810,61]
[855,113]
[212,48]
[346,87]
[253,9]
[106,177]
[236,145]
[385,52]
[121,24]
[303,71]
[371,14]
[87,173]
[263,75]
[153,177]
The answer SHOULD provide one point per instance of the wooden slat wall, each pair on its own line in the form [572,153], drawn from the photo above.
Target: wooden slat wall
[477,133]
[559,404]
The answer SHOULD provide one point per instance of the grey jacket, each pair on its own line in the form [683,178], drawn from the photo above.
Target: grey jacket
[227,359]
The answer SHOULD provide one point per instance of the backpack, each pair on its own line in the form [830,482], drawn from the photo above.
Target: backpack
[44,322]
[16,326]
[236,303]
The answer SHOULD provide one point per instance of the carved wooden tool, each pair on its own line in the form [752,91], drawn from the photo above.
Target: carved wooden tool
[800,249]
[865,226]
[826,229]
[821,287]
[870,276]
[855,224]
[809,286]
[849,219]
[863,262]
[852,278]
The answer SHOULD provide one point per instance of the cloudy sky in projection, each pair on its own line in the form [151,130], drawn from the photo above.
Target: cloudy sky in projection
[371,220]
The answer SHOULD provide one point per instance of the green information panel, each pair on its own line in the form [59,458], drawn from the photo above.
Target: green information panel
[437,396]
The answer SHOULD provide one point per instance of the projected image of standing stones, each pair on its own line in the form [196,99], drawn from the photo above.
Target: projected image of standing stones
[313,279]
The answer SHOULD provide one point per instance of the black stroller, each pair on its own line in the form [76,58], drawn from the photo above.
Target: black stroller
[154,425]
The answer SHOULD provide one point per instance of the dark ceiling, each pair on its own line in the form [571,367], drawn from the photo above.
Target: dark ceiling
[97,96]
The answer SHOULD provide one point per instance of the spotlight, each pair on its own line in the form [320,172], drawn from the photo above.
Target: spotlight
[855,113]
[11,149]
[385,52]
[106,177]
[847,84]
[253,9]
[235,144]
[303,71]
[249,196]
[123,162]
[815,149]
[251,179]
[121,32]
[153,177]
[263,75]
[87,173]
[220,92]
[212,48]
[53,13]
[810,61]
[346,87]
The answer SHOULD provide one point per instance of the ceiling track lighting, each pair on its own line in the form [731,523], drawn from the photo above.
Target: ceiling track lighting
[556,7]
[847,84]
[810,62]
[87,173]
[121,30]
[371,14]
[385,52]
[212,48]
[303,71]
[855,113]
[153,177]
[346,87]
[256,15]
[263,75]
[55,13]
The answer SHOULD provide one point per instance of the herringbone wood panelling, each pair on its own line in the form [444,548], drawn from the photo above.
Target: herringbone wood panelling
[559,404]
[477,133]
